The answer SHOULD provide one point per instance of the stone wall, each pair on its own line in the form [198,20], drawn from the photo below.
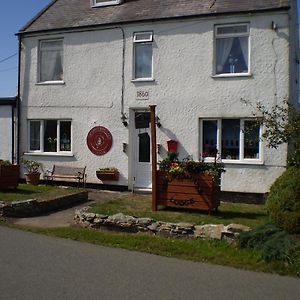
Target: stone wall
[33,207]
[125,223]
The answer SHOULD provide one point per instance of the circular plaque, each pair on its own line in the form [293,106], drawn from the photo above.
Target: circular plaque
[99,140]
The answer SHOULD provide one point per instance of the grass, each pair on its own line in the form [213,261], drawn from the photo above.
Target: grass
[216,252]
[39,192]
[137,205]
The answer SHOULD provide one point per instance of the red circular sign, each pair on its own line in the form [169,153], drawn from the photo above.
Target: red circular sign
[99,140]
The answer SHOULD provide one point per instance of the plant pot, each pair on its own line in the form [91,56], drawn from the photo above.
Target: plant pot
[32,178]
[9,176]
[108,175]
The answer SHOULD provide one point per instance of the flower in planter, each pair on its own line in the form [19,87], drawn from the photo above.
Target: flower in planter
[5,162]
[183,169]
[109,169]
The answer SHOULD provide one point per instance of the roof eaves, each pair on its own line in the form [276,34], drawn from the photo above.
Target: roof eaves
[33,19]
[153,20]
[8,101]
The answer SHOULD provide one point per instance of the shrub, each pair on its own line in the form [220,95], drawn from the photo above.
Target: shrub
[5,162]
[283,202]
[274,243]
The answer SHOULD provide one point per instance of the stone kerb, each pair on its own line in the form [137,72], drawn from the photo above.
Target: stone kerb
[33,207]
[121,222]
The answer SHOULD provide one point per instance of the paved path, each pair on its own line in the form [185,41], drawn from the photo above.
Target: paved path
[40,267]
[64,218]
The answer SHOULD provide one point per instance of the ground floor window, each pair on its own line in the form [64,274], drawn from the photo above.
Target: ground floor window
[50,135]
[230,139]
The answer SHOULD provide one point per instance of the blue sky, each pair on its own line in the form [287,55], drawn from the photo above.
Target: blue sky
[13,15]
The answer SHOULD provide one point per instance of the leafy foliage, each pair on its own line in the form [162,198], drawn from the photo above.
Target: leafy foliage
[283,203]
[274,243]
[5,162]
[31,166]
[181,169]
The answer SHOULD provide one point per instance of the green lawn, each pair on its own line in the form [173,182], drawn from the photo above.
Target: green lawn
[216,252]
[140,206]
[28,191]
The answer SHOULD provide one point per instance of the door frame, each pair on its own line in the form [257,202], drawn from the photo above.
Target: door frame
[132,144]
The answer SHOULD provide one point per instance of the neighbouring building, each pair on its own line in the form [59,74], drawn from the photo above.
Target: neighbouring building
[89,69]
[7,128]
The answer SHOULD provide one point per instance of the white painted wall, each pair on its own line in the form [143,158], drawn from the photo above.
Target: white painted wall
[5,132]
[183,90]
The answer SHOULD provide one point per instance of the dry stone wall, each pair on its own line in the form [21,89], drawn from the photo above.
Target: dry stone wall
[126,223]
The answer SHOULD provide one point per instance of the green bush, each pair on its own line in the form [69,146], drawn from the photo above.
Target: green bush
[5,162]
[274,243]
[283,203]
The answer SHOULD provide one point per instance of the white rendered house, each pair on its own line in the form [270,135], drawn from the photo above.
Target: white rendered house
[86,64]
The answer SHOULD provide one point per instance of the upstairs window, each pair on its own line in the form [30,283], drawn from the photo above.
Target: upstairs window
[232,49]
[50,60]
[143,55]
[96,3]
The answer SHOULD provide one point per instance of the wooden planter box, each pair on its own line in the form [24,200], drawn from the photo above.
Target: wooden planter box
[199,191]
[108,175]
[9,176]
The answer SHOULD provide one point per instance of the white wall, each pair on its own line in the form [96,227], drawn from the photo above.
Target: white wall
[5,132]
[184,91]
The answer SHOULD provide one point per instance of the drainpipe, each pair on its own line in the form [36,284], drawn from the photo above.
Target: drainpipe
[13,133]
[18,103]
[123,72]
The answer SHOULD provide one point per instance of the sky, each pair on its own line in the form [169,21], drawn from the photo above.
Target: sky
[13,15]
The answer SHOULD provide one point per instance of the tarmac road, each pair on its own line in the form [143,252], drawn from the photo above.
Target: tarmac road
[39,267]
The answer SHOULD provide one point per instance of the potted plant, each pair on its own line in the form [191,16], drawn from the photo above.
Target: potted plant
[111,174]
[9,174]
[32,167]
[188,184]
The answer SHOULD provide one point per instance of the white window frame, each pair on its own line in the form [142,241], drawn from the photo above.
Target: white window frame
[241,159]
[229,35]
[39,81]
[94,3]
[142,41]
[42,126]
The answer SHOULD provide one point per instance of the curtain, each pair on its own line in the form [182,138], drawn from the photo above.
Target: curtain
[143,60]
[51,65]
[244,47]
[223,50]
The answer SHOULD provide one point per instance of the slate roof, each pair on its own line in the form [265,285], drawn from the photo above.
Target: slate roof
[62,14]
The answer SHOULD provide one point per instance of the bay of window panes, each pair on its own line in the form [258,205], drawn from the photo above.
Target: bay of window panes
[230,139]
[232,49]
[65,135]
[50,136]
[51,60]
[35,135]
[143,60]
[251,140]
[209,139]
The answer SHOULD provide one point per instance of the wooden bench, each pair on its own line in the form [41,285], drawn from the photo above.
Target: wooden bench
[67,172]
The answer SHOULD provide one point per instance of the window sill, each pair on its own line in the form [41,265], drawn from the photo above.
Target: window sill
[58,82]
[230,75]
[143,80]
[238,162]
[243,162]
[49,154]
